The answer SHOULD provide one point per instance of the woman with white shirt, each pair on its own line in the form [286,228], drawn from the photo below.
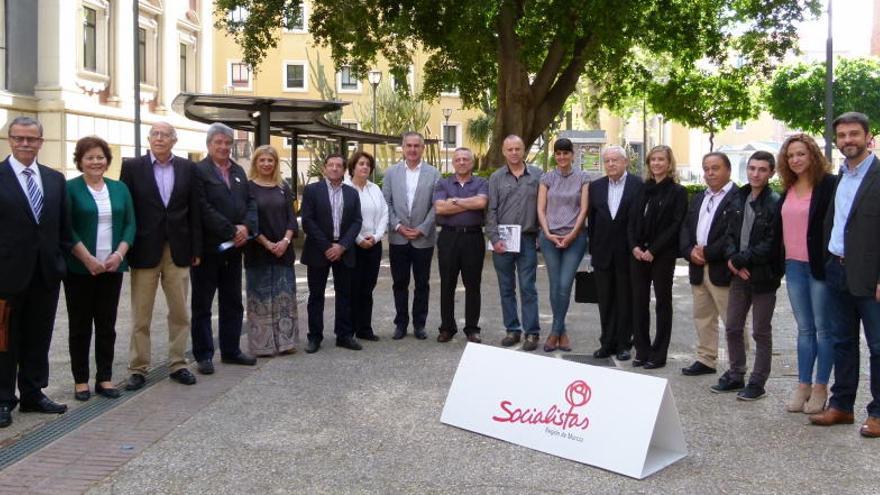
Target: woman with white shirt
[103,228]
[368,252]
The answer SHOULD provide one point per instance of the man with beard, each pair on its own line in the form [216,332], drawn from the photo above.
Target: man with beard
[852,273]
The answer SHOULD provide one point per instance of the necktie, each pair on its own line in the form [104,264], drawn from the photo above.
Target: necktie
[35,196]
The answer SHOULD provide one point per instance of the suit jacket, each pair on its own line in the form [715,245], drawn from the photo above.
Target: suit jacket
[719,274]
[608,236]
[178,224]
[317,223]
[421,215]
[223,207]
[860,236]
[28,248]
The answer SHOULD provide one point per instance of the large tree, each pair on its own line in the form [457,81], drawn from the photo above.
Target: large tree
[531,52]
[796,94]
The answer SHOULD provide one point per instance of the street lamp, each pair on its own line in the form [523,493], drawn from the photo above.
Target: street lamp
[447,112]
[375,77]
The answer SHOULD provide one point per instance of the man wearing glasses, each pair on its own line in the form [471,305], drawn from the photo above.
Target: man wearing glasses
[168,241]
[33,219]
[702,244]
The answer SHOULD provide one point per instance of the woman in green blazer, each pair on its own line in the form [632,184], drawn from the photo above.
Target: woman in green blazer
[102,221]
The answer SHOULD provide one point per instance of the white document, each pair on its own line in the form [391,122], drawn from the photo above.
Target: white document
[612,419]
[510,234]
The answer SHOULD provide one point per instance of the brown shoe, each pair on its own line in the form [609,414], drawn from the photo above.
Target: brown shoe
[551,343]
[871,428]
[475,338]
[564,343]
[511,339]
[445,336]
[832,416]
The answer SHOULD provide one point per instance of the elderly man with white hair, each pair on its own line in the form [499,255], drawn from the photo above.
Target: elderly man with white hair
[611,198]
[229,219]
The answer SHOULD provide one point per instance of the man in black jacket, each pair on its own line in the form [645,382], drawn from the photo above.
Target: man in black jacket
[167,242]
[702,243]
[36,233]
[331,220]
[852,273]
[611,198]
[229,218]
[753,257]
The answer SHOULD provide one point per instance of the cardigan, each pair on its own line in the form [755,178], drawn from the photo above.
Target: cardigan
[84,219]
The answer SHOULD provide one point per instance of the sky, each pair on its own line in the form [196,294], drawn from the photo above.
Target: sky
[851,26]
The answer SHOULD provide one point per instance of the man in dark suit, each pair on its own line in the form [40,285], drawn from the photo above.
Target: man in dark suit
[229,219]
[611,198]
[36,233]
[331,220]
[168,240]
[702,243]
[852,273]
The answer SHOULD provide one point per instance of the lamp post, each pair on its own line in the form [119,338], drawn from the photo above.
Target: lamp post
[375,77]
[447,112]
[829,86]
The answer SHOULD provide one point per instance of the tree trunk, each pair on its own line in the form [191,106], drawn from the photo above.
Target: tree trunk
[711,141]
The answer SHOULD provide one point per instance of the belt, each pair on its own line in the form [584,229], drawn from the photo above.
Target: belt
[463,229]
[838,258]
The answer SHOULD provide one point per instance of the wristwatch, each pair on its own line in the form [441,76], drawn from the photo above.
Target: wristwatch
[455,201]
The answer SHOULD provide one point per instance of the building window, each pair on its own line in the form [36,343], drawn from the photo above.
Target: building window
[450,136]
[90,44]
[403,82]
[297,24]
[142,54]
[350,125]
[183,68]
[347,81]
[449,90]
[295,76]
[240,76]
[2,45]
[239,15]
[739,125]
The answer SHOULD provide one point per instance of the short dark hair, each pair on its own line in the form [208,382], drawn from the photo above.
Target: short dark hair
[334,155]
[853,118]
[764,156]
[87,143]
[355,158]
[720,155]
[563,144]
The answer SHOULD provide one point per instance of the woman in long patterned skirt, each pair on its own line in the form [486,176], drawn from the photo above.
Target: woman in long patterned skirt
[271,282]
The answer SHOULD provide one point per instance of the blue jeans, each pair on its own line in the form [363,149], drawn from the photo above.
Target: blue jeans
[522,265]
[809,302]
[562,265]
[846,310]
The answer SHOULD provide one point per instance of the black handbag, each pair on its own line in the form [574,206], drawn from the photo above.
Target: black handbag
[585,288]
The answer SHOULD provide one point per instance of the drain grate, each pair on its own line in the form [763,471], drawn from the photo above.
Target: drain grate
[589,359]
[44,435]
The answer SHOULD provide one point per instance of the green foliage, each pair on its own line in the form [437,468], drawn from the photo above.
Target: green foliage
[708,101]
[532,53]
[396,112]
[796,93]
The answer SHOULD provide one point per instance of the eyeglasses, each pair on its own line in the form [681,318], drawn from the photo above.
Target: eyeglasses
[25,139]
[161,135]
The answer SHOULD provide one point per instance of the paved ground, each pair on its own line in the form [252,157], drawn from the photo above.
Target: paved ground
[368,422]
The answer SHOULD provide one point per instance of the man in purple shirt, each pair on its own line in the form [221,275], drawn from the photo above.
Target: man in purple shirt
[459,202]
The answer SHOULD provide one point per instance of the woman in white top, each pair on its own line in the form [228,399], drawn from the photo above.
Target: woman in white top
[368,252]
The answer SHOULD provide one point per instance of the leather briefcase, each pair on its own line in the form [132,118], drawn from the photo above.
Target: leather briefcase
[5,311]
[585,288]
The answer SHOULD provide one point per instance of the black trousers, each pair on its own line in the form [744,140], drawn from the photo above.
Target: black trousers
[317,278]
[30,333]
[660,273]
[460,253]
[403,258]
[218,273]
[363,281]
[92,301]
[613,286]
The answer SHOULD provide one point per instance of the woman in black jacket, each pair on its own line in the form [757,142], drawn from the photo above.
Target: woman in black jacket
[809,190]
[653,230]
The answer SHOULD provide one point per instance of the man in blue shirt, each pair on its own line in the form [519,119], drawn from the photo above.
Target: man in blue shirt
[852,273]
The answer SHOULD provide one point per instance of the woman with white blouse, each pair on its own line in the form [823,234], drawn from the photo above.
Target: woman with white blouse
[368,252]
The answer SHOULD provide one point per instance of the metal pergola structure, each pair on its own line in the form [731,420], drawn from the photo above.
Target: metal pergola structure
[269,116]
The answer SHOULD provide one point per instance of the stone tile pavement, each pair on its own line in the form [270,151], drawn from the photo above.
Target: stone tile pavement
[368,422]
